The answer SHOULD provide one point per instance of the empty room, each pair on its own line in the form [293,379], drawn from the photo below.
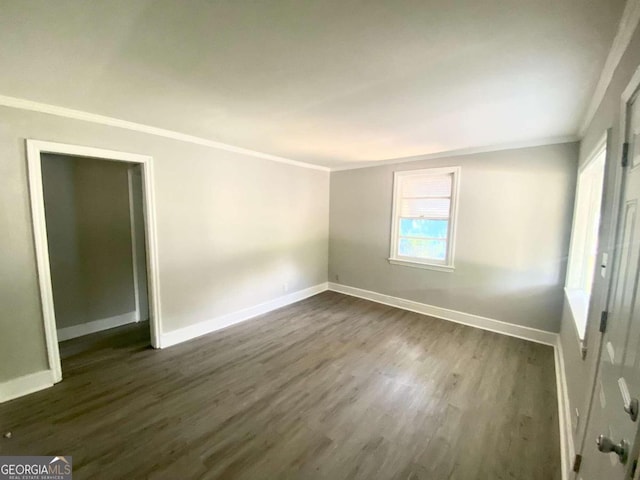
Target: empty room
[320,239]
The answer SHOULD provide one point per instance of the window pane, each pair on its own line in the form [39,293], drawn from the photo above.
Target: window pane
[426,207]
[427,249]
[418,227]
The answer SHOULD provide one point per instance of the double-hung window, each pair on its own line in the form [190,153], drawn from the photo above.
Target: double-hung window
[424,217]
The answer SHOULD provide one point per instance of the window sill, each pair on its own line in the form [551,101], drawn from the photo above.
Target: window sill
[426,266]
[579,305]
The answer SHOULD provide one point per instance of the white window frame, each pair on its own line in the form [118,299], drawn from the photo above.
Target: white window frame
[447,265]
[577,297]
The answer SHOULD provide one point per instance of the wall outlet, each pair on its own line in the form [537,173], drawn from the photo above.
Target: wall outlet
[337,277]
[285,287]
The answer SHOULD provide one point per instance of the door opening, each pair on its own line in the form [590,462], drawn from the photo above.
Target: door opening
[94,231]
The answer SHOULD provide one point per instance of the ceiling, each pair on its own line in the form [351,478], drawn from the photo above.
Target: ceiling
[329,82]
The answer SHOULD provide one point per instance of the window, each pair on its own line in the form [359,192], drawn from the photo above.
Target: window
[424,216]
[584,237]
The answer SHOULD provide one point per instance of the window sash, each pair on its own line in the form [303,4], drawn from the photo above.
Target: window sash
[399,197]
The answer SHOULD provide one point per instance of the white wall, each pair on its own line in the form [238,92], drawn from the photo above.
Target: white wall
[58,174]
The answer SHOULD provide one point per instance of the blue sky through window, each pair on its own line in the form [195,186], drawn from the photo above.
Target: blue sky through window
[418,248]
[420,227]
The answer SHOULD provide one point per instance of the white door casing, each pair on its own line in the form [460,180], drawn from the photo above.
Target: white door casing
[34,150]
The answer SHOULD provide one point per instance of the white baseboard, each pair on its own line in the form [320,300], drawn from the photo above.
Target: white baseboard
[74,331]
[484,323]
[218,323]
[567,448]
[25,385]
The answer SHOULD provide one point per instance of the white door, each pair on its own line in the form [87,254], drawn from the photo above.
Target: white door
[612,430]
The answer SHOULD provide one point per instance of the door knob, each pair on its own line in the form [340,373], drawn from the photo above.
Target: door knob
[632,408]
[606,445]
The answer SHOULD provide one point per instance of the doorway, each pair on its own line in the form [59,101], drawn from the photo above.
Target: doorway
[140,226]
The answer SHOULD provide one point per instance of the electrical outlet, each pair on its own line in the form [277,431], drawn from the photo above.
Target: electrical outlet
[337,278]
[285,287]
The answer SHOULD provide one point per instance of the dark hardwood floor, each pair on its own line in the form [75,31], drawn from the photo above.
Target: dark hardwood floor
[133,334]
[333,387]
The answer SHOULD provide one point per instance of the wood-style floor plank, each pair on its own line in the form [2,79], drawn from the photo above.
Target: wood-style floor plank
[332,387]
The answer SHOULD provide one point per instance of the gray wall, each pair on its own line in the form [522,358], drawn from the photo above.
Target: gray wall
[512,235]
[102,193]
[232,229]
[89,237]
[63,240]
[580,373]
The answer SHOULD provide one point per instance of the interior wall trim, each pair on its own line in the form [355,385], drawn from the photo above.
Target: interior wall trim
[94,326]
[24,104]
[185,334]
[26,384]
[567,447]
[541,142]
[626,28]
[484,323]
[39,107]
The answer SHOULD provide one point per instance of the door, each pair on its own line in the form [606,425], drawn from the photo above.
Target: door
[613,427]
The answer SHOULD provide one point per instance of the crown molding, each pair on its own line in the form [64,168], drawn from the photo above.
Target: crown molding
[626,28]
[462,152]
[23,104]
